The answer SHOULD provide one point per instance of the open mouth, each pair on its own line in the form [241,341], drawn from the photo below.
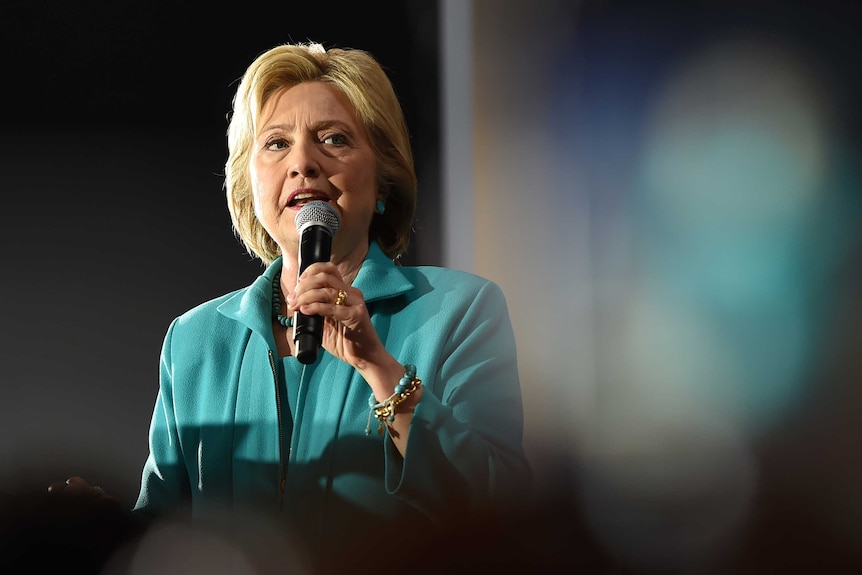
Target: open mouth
[303,198]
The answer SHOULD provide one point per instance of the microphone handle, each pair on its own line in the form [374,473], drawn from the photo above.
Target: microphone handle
[315,245]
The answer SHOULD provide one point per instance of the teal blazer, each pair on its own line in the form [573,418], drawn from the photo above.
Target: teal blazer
[237,427]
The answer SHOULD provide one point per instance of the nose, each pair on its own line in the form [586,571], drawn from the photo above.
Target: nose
[303,159]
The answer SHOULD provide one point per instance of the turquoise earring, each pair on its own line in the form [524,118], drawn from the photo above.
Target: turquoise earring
[381,206]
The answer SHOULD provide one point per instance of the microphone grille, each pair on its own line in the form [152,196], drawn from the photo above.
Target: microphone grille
[318,213]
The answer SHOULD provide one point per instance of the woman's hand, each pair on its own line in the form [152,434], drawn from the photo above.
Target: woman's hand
[347,333]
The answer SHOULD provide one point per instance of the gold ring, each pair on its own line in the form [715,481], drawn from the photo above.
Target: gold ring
[342,295]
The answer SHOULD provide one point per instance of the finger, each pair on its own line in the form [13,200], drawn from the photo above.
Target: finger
[314,299]
[75,486]
[57,487]
[75,481]
[317,281]
[319,268]
[340,298]
[78,486]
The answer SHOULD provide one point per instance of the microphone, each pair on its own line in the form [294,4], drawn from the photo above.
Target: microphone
[316,223]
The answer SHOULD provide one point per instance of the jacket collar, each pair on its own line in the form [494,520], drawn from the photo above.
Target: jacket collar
[378,278]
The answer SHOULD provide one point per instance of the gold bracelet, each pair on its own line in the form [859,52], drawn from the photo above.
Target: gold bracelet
[384,410]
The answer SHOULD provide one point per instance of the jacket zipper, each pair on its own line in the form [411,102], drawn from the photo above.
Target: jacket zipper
[281,467]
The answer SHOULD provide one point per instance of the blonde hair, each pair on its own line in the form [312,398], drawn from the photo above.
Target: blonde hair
[360,77]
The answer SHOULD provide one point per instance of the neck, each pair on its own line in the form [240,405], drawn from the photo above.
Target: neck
[348,266]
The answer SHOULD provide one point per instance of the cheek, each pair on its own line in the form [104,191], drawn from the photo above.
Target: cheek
[256,196]
[369,184]
[258,192]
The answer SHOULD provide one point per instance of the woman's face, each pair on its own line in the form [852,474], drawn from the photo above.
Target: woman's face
[311,146]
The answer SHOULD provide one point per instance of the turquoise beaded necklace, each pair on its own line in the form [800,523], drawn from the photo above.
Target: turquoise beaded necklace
[276,303]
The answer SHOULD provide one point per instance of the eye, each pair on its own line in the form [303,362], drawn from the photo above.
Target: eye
[335,140]
[276,144]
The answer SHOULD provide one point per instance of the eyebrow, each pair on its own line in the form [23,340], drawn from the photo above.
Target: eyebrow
[323,125]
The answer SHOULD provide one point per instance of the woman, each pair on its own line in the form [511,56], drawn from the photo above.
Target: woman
[332,447]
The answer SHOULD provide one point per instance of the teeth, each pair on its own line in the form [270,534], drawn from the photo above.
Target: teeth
[305,197]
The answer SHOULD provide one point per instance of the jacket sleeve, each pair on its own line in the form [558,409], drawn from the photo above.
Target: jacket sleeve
[164,481]
[465,452]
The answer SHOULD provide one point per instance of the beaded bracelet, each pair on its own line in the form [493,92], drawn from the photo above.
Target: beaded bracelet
[384,410]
